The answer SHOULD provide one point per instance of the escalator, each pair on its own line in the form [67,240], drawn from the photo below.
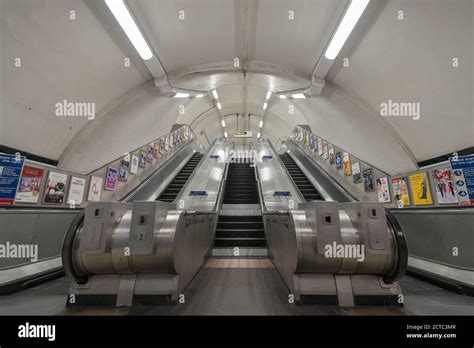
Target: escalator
[307,189]
[235,228]
[175,187]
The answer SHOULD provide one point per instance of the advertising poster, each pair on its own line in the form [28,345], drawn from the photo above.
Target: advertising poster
[311,141]
[383,191]
[156,153]
[338,160]
[420,189]
[463,170]
[368,180]
[162,146]
[325,151]
[320,147]
[111,179]
[171,140]
[10,171]
[149,157]
[167,142]
[142,159]
[124,169]
[332,157]
[77,187]
[400,192]
[55,188]
[356,172]
[346,164]
[307,139]
[95,189]
[30,185]
[134,165]
[445,186]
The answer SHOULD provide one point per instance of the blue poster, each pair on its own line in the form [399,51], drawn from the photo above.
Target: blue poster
[10,171]
[463,172]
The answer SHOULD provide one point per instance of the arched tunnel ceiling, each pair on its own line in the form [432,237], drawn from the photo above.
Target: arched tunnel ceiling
[82,60]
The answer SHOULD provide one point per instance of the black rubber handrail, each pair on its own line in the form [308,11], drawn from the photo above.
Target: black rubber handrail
[401,263]
[68,249]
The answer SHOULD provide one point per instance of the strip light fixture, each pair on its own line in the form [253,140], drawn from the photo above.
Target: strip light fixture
[258,135]
[223,123]
[349,21]
[181,95]
[225,134]
[260,124]
[124,17]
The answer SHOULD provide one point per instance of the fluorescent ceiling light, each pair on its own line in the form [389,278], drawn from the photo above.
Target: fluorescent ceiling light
[219,106]
[258,135]
[298,96]
[260,124]
[282,96]
[200,95]
[214,93]
[351,17]
[269,94]
[124,17]
[225,134]
[265,106]
[181,95]
[223,123]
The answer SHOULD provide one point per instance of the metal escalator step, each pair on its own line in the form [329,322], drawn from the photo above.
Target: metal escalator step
[240,242]
[240,225]
[240,233]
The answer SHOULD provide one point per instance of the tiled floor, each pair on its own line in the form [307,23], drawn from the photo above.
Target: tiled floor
[239,286]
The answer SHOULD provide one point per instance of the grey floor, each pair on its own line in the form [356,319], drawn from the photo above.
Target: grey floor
[239,287]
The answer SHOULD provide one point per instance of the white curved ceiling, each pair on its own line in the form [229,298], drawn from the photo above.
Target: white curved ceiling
[82,60]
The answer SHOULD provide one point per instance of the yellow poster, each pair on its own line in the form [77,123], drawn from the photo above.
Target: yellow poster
[400,192]
[420,189]
[346,163]
[307,138]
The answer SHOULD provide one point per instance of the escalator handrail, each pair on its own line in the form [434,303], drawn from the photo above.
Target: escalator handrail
[68,249]
[401,262]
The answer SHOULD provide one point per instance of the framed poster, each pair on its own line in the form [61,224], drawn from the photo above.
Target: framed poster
[332,158]
[77,186]
[156,152]
[325,151]
[167,142]
[320,147]
[346,163]
[124,169]
[171,140]
[311,141]
[30,185]
[463,170]
[445,186]
[10,172]
[368,180]
[149,157]
[162,146]
[356,172]
[400,192]
[420,189]
[111,179]
[383,191]
[55,188]
[338,160]
[307,139]
[95,189]
[134,165]
[142,159]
